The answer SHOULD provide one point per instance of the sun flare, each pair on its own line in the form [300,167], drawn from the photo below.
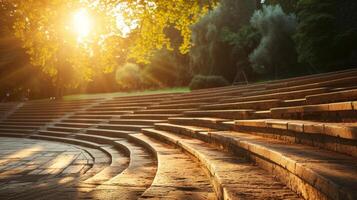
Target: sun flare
[82,23]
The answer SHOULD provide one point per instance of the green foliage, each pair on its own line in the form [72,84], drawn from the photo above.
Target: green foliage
[276,50]
[244,42]
[44,27]
[289,6]
[211,52]
[129,77]
[166,69]
[201,82]
[327,33]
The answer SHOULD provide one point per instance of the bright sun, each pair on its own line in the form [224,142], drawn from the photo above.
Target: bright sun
[82,23]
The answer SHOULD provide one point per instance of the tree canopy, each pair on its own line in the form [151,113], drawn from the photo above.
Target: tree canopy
[117,31]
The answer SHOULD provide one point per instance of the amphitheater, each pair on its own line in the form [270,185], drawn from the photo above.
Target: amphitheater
[284,139]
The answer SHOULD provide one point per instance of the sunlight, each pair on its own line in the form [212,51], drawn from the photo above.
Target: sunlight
[82,23]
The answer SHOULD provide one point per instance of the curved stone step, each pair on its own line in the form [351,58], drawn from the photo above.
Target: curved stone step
[226,114]
[233,177]
[312,172]
[124,127]
[149,116]
[178,176]
[146,122]
[161,111]
[339,137]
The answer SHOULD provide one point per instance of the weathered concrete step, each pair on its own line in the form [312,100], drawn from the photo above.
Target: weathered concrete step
[262,114]
[113,104]
[178,176]
[37,124]
[255,105]
[45,113]
[233,177]
[313,79]
[149,116]
[341,109]
[28,120]
[74,125]
[63,129]
[116,108]
[112,112]
[109,133]
[282,95]
[226,114]
[214,123]
[17,130]
[175,105]
[124,127]
[339,137]
[161,111]
[147,122]
[91,116]
[293,102]
[343,82]
[9,126]
[197,100]
[346,95]
[312,172]
[42,117]
[135,179]
[89,121]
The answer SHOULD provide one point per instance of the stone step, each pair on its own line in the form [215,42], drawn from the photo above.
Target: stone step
[147,122]
[178,176]
[33,117]
[161,111]
[298,94]
[8,126]
[17,130]
[102,117]
[28,120]
[308,80]
[346,95]
[339,137]
[124,127]
[113,104]
[149,116]
[116,108]
[135,179]
[255,105]
[263,114]
[74,125]
[343,82]
[225,114]
[233,176]
[112,112]
[214,98]
[37,124]
[340,110]
[311,172]
[175,105]
[214,123]
[63,129]
[89,121]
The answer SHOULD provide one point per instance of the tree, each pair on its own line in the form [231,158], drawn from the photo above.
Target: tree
[211,53]
[327,33]
[276,50]
[47,33]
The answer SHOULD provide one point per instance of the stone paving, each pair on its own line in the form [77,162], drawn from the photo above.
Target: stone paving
[28,162]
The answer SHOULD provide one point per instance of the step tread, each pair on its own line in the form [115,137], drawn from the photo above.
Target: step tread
[237,177]
[176,172]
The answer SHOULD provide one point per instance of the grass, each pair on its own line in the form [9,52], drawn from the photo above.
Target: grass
[123,94]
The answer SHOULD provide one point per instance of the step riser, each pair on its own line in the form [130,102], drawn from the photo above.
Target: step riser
[340,145]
